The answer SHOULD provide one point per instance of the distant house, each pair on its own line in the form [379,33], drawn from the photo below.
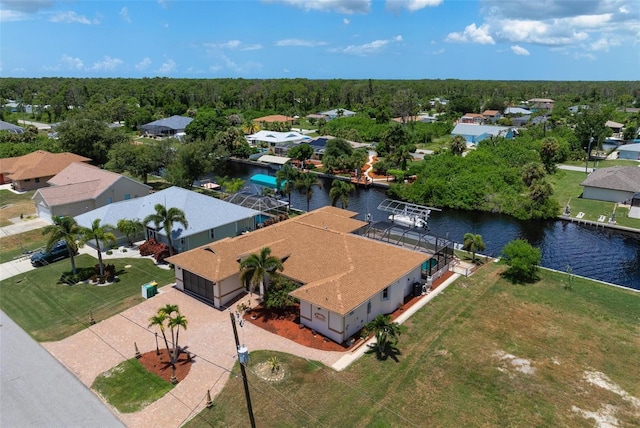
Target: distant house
[629,151]
[168,127]
[613,184]
[517,111]
[614,126]
[577,108]
[345,280]
[491,115]
[473,118]
[473,134]
[209,219]
[34,170]
[80,188]
[520,121]
[273,138]
[274,162]
[339,112]
[275,118]
[424,118]
[10,127]
[536,104]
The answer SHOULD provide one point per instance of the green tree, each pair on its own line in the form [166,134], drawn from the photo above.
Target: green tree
[301,152]
[458,145]
[473,242]
[257,268]
[387,334]
[63,229]
[340,191]
[550,154]
[305,183]
[522,259]
[89,137]
[102,236]
[139,159]
[130,228]
[166,218]
[286,179]
[277,295]
[191,162]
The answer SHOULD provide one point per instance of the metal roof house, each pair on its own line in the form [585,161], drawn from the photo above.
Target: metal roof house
[337,112]
[209,218]
[473,134]
[167,127]
[10,127]
[629,151]
[345,279]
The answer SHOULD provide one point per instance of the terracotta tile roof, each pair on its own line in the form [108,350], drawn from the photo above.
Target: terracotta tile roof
[274,118]
[340,270]
[38,164]
[490,113]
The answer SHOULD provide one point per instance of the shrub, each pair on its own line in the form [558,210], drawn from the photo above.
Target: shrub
[151,247]
[523,261]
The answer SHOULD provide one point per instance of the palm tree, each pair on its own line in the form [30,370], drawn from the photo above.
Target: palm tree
[340,191]
[458,145]
[305,184]
[165,315]
[473,243]
[166,218]
[158,320]
[285,180]
[257,267]
[130,228]
[386,332]
[174,324]
[63,229]
[100,234]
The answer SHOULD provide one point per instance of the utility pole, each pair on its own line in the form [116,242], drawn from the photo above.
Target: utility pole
[242,359]
[586,167]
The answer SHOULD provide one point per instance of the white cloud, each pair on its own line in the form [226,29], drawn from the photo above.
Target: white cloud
[472,34]
[241,69]
[124,14]
[233,45]
[70,17]
[438,52]
[603,44]
[144,64]
[346,7]
[519,50]
[66,62]
[27,7]
[368,48]
[411,5]
[345,21]
[587,56]
[108,64]
[299,42]
[167,67]
[539,33]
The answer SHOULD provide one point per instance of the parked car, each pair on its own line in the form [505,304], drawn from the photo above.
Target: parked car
[59,251]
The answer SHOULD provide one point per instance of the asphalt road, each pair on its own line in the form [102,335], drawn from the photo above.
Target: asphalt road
[37,391]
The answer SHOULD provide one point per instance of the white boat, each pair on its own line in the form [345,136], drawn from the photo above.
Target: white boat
[408,220]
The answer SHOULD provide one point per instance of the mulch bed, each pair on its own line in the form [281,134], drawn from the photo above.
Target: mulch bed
[160,366]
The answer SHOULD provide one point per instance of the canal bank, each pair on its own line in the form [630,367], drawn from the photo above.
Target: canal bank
[600,253]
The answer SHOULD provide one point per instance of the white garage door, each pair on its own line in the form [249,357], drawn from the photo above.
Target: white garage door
[43,212]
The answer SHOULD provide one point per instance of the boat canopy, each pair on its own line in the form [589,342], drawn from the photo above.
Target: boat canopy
[405,208]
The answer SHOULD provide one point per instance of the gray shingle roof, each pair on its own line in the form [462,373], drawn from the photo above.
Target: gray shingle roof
[176,123]
[625,178]
[202,212]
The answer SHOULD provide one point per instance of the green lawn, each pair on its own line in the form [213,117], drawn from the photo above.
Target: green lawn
[457,364]
[567,190]
[603,163]
[49,310]
[129,387]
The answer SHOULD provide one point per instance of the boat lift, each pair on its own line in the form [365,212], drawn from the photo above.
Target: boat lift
[406,209]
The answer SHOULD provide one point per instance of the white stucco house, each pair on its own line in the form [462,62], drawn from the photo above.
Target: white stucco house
[345,279]
[613,184]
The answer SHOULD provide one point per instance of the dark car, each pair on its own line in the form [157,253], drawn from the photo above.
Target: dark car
[59,251]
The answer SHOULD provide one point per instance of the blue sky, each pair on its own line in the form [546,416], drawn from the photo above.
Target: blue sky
[322,39]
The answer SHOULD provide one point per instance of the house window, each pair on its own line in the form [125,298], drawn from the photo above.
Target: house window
[127,196]
[212,234]
[385,294]
[369,307]
[108,201]
[37,179]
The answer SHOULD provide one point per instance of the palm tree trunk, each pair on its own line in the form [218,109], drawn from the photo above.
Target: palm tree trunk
[73,261]
[100,258]
[176,352]
[262,288]
[170,246]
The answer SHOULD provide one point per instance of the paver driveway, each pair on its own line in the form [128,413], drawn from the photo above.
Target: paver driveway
[209,335]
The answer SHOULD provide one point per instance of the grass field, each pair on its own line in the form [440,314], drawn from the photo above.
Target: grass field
[567,190]
[48,310]
[14,246]
[483,353]
[129,387]
[12,205]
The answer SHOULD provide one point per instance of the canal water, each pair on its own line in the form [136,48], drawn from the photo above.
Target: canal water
[602,254]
